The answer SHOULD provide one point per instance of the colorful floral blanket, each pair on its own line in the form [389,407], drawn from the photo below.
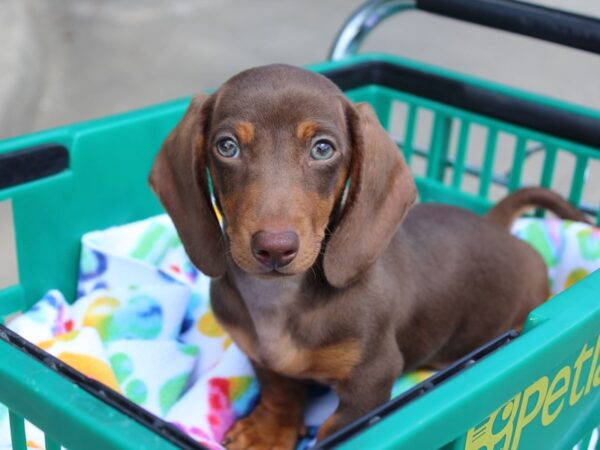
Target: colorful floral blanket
[142,325]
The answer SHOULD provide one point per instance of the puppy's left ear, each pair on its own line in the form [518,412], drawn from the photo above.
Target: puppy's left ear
[179,180]
[381,192]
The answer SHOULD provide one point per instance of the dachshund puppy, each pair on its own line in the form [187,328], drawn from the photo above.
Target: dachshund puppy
[323,268]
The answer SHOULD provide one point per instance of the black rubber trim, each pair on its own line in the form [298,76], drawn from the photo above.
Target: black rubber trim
[103,393]
[420,389]
[553,121]
[21,166]
[572,30]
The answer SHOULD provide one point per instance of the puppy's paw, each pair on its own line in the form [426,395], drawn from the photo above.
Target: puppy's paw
[263,431]
[328,427]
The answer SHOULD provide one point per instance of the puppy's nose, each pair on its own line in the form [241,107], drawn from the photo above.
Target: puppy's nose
[275,249]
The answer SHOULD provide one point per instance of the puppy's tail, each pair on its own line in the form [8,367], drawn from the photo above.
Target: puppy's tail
[512,206]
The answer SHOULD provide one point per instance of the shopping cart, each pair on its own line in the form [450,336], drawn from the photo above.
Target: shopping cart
[536,391]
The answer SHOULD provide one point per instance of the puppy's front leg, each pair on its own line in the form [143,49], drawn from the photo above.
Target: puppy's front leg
[277,420]
[369,386]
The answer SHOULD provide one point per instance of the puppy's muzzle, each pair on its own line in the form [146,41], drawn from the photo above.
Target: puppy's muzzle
[275,249]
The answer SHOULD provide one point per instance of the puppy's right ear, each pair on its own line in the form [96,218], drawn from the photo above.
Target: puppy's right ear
[179,180]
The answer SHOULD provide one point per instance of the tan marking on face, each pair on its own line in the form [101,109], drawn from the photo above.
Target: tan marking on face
[307,214]
[253,208]
[239,207]
[306,130]
[245,132]
[320,211]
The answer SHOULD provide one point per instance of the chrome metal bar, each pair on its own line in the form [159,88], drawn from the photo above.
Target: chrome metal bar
[523,18]
[361,22]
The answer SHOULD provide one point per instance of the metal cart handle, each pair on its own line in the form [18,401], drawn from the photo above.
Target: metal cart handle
[572,30]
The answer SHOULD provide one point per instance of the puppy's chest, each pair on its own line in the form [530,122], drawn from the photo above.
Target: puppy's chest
[276,349]
[273,346]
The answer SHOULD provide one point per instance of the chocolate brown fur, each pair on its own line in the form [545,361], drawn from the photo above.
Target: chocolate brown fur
[377,287]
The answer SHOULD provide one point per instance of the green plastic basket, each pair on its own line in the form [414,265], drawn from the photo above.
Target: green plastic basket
[532,393]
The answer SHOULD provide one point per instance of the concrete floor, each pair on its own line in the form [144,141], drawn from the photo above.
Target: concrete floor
[65,61]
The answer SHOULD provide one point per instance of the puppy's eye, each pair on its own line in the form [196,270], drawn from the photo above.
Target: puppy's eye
[228,148]
[322,150]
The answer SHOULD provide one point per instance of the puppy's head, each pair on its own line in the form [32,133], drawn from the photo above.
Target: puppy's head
[280,145]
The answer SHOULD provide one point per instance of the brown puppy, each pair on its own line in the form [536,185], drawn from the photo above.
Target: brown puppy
[313,282]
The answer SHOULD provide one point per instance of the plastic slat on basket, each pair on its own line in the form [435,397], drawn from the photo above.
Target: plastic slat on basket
[524,136]
[440,138]
[549,164]
[547,172]
[409,133]
[383,107]
[488,162]
[518,162]
[461,153]
[576,190]
[17,431]
[50,443]
[436,158]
